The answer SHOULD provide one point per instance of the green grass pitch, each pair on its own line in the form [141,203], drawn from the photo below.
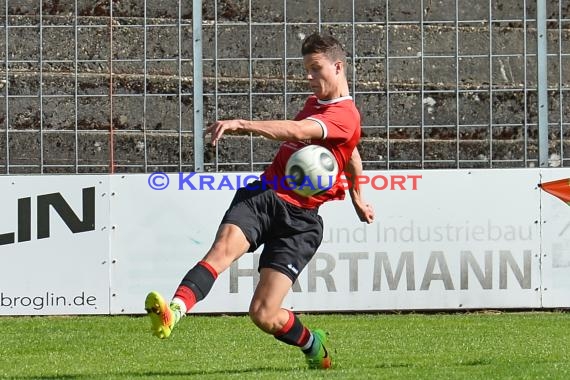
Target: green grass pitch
[364,346]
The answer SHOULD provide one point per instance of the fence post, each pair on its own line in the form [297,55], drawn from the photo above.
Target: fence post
[542,83]
[197,83]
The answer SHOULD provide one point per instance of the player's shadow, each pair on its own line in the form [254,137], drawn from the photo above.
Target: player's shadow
[152,374]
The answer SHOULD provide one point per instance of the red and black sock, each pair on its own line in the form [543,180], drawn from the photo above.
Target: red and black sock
[294,333]
[196,284]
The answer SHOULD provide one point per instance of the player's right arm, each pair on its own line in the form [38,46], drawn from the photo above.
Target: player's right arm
[353,170]
[282,130]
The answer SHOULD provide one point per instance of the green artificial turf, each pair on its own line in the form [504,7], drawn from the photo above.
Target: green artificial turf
[364,346]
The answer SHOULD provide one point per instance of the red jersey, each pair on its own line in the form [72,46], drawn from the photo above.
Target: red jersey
[340,120]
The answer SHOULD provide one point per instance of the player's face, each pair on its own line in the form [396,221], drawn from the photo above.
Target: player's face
[323,75]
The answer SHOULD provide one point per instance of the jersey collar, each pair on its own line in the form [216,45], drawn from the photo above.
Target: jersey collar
[335,100]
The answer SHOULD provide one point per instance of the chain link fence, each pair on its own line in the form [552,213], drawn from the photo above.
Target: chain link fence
[109,86]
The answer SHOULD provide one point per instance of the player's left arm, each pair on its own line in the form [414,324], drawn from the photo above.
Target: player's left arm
[353,170]
[282,130]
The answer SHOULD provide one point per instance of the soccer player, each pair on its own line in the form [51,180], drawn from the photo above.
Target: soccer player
[287,224]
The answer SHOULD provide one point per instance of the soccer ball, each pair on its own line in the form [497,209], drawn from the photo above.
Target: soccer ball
[311,170]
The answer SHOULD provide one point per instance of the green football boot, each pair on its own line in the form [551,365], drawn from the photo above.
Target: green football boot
[319,358]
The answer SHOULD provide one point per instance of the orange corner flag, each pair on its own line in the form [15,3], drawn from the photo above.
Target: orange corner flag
[559,188]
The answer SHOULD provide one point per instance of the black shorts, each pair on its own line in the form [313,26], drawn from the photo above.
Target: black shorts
[291,234]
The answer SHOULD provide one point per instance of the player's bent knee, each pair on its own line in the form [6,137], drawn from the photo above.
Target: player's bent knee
[263,317]
[256,313]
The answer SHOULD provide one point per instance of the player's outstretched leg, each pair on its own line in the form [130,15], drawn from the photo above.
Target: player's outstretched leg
[163,317]
[317,355]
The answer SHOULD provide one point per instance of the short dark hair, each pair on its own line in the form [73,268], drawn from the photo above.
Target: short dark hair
[327,44]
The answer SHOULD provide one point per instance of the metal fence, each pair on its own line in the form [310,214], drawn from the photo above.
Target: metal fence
[113,86]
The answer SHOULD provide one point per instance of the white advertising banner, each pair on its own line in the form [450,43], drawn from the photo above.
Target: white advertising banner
[460,239]
[54,245]
[451,239]
[158,235]
[555,244]
[442,239]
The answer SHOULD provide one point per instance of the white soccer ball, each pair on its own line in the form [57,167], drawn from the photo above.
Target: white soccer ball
[311,170]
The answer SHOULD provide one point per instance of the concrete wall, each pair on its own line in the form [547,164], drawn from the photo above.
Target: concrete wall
[65,129]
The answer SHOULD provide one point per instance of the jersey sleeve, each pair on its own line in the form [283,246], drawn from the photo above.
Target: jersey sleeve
[338,124]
